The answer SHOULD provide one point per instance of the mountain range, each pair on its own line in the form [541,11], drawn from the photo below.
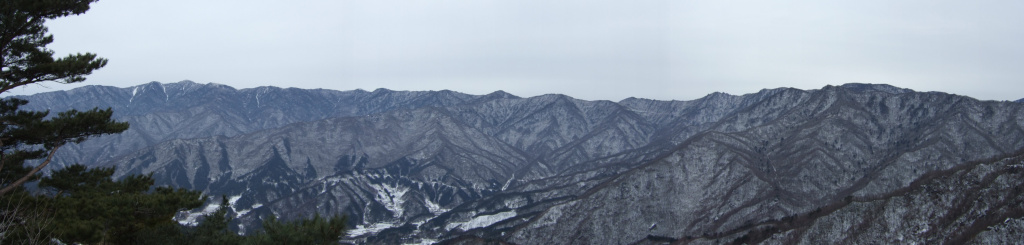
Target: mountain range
[840,164]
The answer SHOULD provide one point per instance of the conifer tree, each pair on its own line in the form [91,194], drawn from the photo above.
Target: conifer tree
[87,205]
[25,60]
[91,207]
[213,230]
[318,230]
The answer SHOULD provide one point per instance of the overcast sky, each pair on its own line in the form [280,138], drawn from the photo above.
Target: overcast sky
[591,50]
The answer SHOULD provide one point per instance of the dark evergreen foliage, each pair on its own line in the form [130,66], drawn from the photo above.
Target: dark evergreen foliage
[25,60]
[214,229]
[90,207]
[79,205]
[318,230]
[26,136]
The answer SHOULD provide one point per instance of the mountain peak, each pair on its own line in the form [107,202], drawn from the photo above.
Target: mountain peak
[497,95]
[502,94]
[886,88]
[185,82]
[717,96]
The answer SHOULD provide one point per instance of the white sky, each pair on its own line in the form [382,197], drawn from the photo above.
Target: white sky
[591,50]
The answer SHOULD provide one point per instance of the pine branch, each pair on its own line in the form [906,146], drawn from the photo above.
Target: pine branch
[28,176]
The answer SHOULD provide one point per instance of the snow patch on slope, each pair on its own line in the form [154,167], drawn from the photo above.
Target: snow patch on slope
[245,211]
[234,199]
[434,208]
[360,230]
[134,91]
[392,197]
[481,221]
[190,218]
[508,182]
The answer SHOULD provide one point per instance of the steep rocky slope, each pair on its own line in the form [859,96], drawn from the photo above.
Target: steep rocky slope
[790,153]
[185,110]
[976,202]
[412,167]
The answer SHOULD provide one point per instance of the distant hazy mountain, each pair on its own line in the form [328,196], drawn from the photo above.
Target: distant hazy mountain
[414,167]
[185,110]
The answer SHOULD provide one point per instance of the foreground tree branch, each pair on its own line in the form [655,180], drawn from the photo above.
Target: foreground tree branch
[25,60]
[28,176]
